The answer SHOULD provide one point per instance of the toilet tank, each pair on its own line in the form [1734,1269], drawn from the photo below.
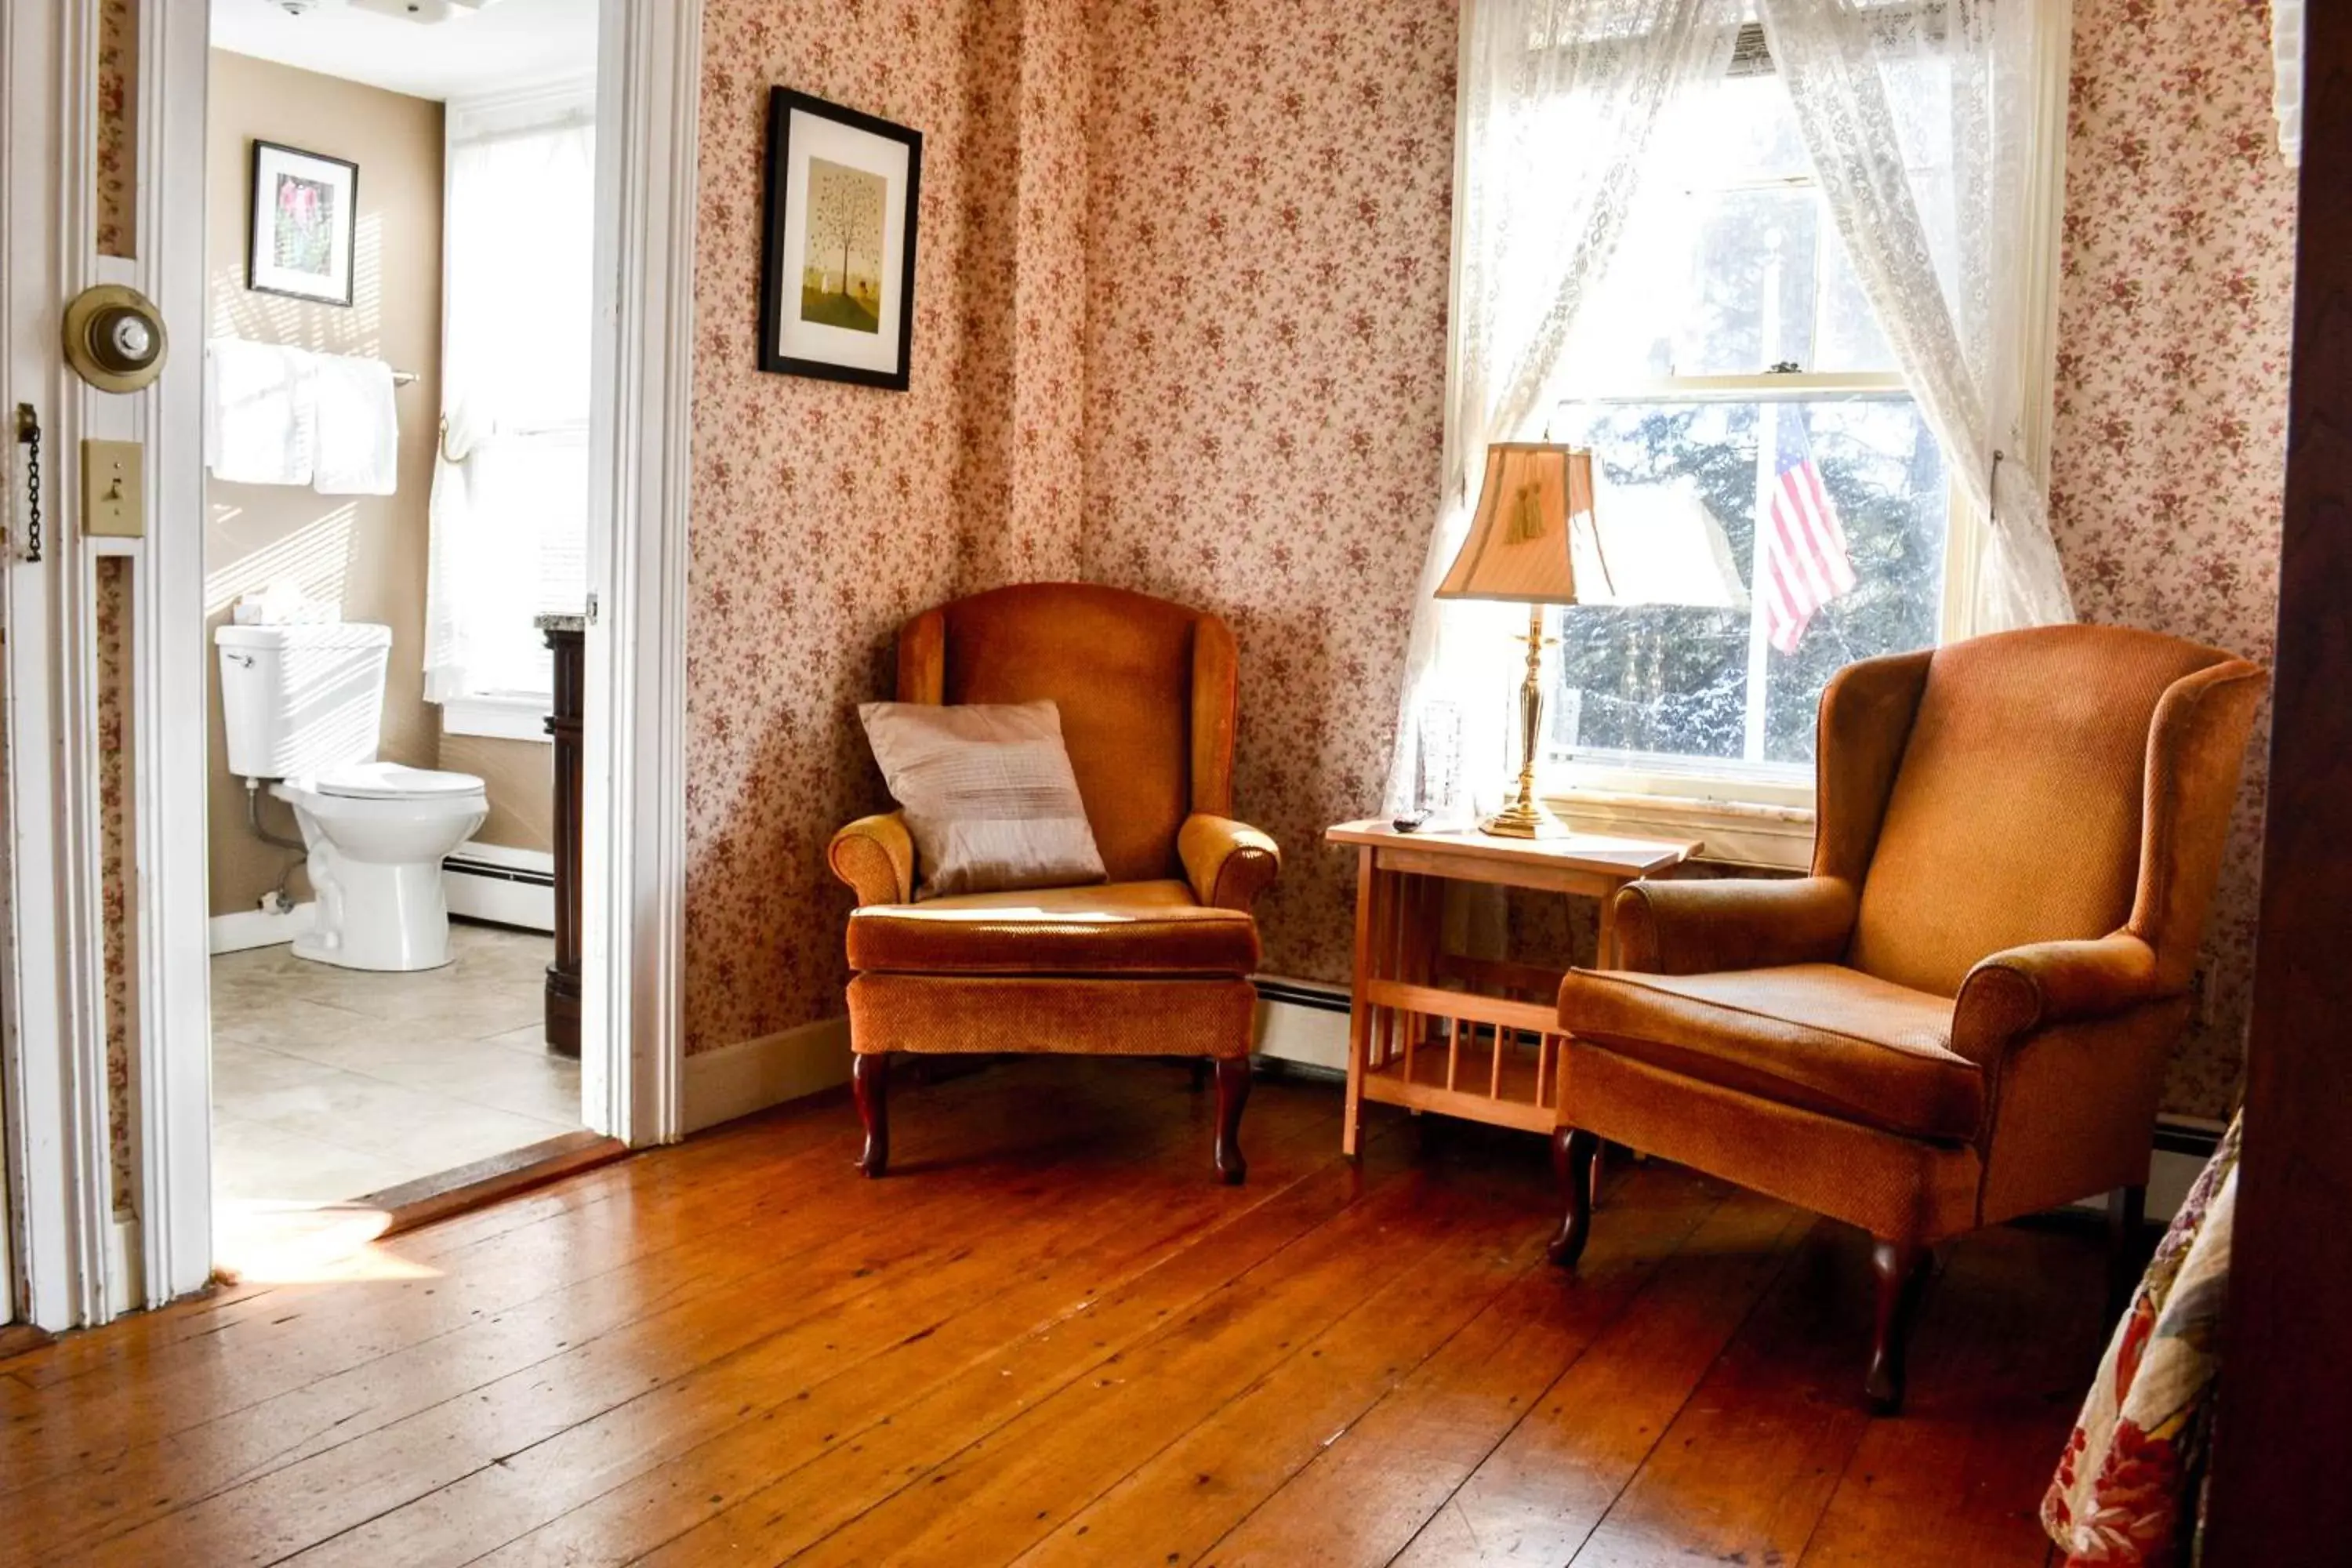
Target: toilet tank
[299,699]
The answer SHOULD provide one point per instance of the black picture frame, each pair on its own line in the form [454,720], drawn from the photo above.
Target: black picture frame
[776,268]
[349,222]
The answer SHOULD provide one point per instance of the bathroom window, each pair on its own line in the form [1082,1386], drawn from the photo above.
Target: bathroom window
[510,483]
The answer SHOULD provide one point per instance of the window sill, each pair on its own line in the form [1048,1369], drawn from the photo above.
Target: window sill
[1736,833]
[499,718]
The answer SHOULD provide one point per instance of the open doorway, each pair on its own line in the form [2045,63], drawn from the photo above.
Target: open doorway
[399,322]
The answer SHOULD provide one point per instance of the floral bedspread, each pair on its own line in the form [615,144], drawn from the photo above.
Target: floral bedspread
[2123,1493]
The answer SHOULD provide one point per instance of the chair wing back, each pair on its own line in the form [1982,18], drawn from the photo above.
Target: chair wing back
[1146,690]
[2053,783]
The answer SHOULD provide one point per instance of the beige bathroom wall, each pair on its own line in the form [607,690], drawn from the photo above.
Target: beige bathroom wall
[366,552]
[520,778]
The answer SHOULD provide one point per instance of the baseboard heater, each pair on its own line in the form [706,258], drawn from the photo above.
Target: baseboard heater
[515,888]
[1302,994]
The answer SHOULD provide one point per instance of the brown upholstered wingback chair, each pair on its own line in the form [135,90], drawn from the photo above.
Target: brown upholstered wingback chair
[1155,961]
[1963,1013]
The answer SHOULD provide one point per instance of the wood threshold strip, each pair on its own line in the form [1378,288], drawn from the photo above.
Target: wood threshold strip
[493,1180]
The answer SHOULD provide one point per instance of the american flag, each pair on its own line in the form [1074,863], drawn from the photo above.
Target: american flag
[1805,563]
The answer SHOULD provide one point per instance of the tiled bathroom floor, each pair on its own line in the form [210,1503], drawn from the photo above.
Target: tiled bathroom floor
[329,1084]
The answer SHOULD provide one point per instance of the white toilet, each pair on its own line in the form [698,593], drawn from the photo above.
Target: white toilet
[304,708]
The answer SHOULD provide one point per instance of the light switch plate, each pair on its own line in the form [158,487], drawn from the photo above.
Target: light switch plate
[114,490]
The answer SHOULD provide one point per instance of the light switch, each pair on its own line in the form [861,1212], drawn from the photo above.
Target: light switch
[113,489]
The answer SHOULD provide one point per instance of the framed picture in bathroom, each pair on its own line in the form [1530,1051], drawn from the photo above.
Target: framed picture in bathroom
[837,272]
[304,216]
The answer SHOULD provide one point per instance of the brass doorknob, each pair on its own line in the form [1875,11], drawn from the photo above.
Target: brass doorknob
[115,338]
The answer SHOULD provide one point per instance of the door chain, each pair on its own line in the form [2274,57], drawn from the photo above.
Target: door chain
[28,434]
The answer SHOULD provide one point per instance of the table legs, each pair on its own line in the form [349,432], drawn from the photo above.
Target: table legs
[1359,1013]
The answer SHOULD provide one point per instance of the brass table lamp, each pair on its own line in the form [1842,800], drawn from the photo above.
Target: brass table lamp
[1517,552]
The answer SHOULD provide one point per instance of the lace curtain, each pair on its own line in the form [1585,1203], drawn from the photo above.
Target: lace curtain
[1869,84]
[508,508]
[2286,77]
[1557,100]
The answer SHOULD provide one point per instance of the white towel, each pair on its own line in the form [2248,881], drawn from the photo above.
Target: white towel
[358,427]
[258,413]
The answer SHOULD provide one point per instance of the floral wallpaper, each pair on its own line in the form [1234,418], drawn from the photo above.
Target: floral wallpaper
[113,639]
[1024,274]
[118,127]
[2175,328]
[1270,188]
[118,63]
[824,514]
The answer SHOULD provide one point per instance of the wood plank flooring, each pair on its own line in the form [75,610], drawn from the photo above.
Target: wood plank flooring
[1050,1338]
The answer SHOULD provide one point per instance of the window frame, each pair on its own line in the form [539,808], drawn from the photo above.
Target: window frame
[500,716]
[1737,779]
[1763,814]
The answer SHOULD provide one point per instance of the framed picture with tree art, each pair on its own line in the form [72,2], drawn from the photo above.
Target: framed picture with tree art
[837,275]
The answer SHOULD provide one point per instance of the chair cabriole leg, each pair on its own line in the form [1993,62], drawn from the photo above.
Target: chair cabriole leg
[1232,1094]
[1574,1152]
[869,1076]
[1900,1268]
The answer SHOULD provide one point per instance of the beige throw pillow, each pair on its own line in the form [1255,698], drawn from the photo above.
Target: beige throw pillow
[988,792]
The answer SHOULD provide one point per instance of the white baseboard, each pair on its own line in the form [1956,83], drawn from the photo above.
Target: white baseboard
[259,927]
[736,1080]
[474,880]
[126,1267]
[1300,1032]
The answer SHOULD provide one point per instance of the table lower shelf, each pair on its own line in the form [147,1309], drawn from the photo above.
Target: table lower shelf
[1461,1054]
[1524,1100]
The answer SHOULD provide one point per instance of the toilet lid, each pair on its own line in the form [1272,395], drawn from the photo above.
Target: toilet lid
[390,780]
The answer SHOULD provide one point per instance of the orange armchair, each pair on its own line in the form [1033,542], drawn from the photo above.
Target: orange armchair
[1156,962]
[1962,1014]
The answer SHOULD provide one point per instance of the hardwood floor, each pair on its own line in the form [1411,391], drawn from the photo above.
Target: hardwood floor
[1050,1337]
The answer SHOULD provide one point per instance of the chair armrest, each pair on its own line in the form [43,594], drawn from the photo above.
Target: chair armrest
[875,855]
[2011,995]
[1228,863]
[1750,923]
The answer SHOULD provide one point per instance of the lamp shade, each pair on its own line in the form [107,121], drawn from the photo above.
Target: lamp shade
[1518,549]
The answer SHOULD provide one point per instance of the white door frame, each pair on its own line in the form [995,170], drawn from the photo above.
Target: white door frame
[76,1262]
[53,1036]
[649,98]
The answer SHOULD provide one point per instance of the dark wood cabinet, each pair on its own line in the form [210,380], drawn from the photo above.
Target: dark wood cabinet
[567,636]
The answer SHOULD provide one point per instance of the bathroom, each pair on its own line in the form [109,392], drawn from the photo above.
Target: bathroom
[401,220]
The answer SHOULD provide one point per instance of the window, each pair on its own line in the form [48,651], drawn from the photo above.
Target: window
[1771,504]
[510,490]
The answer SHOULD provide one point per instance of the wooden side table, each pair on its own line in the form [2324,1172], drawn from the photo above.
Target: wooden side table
[1471,1037]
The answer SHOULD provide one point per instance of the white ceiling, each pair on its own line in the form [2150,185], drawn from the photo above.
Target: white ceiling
[508,44]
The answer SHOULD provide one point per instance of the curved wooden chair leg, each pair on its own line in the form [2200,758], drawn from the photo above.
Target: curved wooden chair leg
[1232,1094]
[1901,1267]
[1575,1155]
[869,1076]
